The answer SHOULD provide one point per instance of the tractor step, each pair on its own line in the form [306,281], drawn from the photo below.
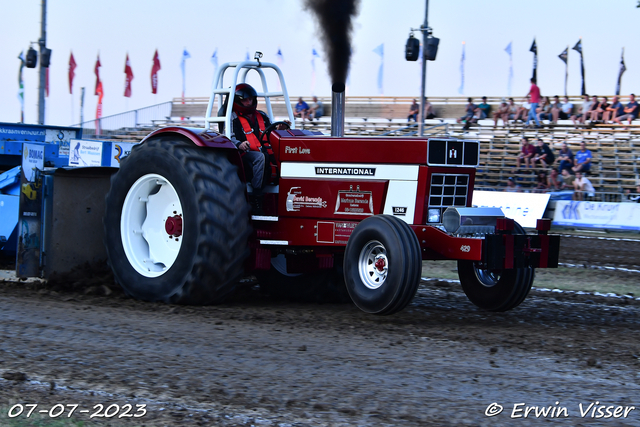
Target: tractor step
[264,218]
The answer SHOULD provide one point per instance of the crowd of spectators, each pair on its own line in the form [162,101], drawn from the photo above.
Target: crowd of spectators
[593,110]
[539,170]
[567,174]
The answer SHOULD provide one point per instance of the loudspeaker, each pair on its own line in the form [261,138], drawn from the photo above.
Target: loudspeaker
[32,58]
[432,48]
[412,49]
[45,58]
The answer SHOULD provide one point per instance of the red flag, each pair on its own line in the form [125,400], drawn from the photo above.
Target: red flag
[128,77]
[100,93]
[154,73]
[72,69]
[97,71]
[46,82]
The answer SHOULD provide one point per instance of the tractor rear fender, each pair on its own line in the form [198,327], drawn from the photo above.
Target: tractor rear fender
[202,138]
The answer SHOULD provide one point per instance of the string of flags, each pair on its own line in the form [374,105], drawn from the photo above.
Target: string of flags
[564,57]
[379,50]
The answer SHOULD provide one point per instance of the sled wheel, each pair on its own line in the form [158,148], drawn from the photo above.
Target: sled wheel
[176,223]
[382,265]
[322,286]
[495,290]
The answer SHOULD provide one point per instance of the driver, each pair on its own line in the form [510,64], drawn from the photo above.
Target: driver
[247,125]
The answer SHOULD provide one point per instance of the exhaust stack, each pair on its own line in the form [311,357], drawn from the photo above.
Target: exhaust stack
[337,109]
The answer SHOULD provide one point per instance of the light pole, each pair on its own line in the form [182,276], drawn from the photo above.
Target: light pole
[423,82]
[43,71]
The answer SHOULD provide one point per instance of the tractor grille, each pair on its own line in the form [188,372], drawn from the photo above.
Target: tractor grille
[448,190]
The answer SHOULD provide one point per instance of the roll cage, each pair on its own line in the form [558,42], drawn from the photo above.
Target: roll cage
[238,72]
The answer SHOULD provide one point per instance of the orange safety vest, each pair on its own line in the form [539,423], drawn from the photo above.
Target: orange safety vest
[254,141]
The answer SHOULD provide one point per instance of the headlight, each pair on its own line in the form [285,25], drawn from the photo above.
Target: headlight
[433,215]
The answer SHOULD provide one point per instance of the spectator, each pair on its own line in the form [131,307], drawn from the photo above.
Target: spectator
[544,111]
[582,159]
[302,109]
[614,110]
[564,112]
[567,180]
[582,185]
[544,154]
[523,110]
[594,106]
[512,187]
[469,112]
[597,112]
[542,182]
[633,197]
[630,111]
[555,181]
[317,109]
[555,109]
[565,156]
[502,113]
[429,112]
[586,107]
[481,112]
[534,92]
[526,154]
[413,111]
[484,109]
[513,110]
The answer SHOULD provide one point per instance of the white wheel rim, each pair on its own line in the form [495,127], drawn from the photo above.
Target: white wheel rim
[486,278]
[150,249]
[373,264]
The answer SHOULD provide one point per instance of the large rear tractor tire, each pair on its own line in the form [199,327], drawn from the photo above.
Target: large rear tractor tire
[176,223]
[382,265]
[493,290]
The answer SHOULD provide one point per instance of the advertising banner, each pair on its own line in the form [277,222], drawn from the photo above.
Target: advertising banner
[120,150]
[620,216]
[85,153]
[524,208]
[30,211]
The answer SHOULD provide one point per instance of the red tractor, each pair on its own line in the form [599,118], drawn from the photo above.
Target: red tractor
[354,212]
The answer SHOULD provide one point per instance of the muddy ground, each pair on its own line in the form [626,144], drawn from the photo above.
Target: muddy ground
[261,361]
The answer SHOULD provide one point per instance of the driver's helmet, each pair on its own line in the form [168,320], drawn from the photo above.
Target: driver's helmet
[244,90]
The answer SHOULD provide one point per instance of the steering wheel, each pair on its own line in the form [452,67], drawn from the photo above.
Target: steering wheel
[270,129]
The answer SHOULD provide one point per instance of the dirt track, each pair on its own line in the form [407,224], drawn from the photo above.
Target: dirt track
[258,361]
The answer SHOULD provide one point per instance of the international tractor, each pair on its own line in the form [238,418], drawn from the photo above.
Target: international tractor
[360,213]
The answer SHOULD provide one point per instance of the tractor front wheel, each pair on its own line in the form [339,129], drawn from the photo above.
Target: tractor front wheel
[382,265]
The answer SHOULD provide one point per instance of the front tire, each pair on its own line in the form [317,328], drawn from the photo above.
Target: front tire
[496,290]
[176,223]
[382,265]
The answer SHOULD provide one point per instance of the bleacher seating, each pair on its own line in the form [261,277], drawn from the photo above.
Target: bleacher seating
[616,149]
[616,154]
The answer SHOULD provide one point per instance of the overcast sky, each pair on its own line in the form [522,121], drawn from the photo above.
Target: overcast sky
[138,27]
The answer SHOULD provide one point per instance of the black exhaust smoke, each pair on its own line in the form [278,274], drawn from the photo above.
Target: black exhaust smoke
[334,19]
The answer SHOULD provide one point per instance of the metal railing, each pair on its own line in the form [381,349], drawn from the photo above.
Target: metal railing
[129,120]
[412,130]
